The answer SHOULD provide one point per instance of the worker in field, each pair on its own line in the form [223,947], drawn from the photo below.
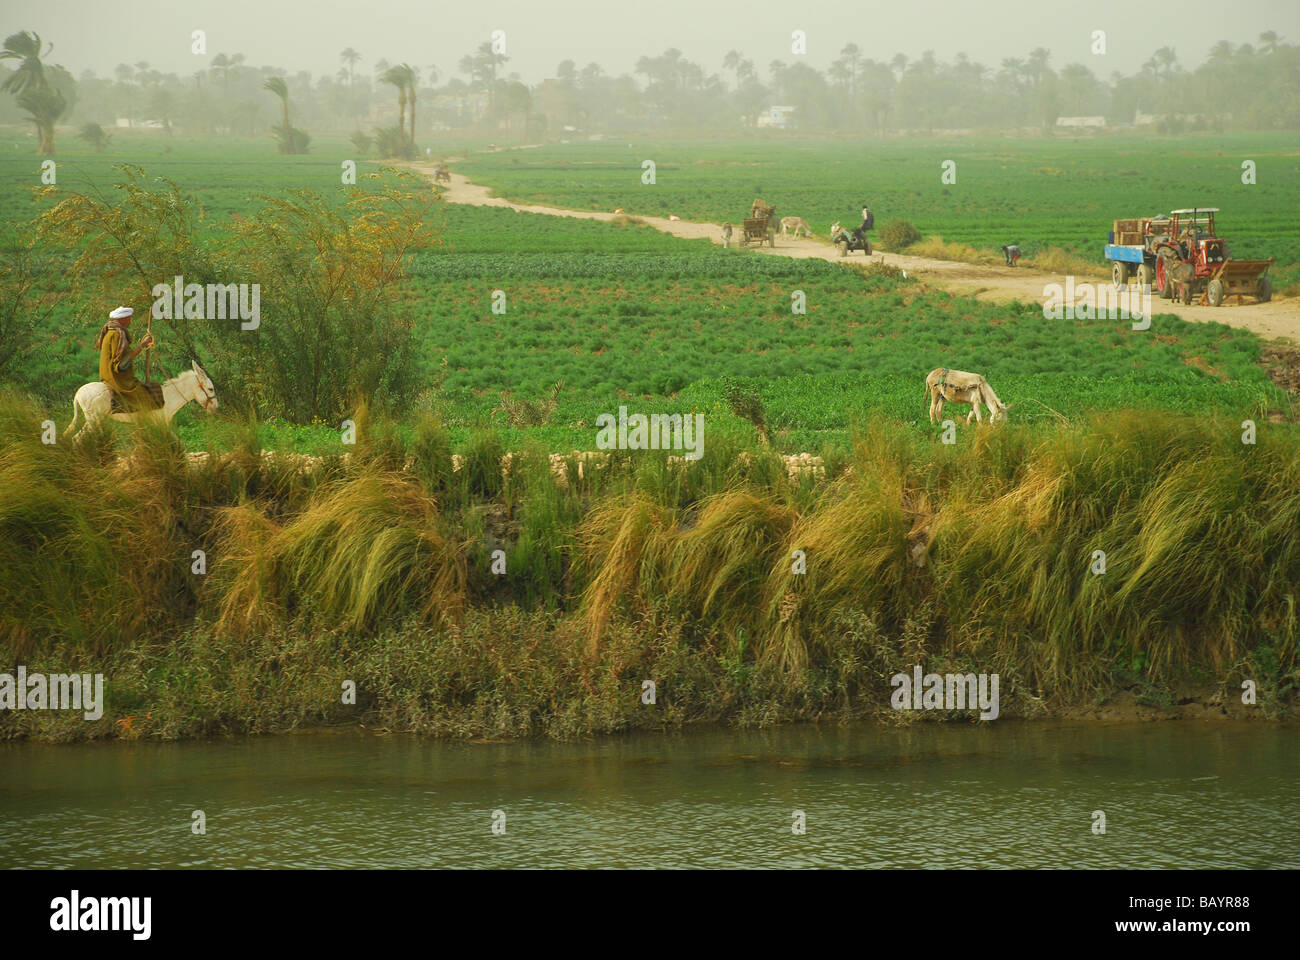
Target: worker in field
[115,365]
[1012,253]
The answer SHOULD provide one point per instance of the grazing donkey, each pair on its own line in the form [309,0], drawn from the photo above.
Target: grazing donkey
[957,386]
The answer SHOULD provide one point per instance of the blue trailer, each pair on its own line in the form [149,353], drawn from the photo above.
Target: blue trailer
[1128,249]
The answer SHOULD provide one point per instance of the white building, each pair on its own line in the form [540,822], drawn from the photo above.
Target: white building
[779,118]
[1081,121]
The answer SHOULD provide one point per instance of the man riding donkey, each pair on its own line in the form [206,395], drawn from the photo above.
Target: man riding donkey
[116,365]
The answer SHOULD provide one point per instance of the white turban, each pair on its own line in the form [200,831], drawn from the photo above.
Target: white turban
[121,312]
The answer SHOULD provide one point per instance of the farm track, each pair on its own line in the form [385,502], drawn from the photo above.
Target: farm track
[1278,319]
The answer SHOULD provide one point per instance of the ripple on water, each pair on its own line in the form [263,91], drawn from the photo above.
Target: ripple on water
[930,796]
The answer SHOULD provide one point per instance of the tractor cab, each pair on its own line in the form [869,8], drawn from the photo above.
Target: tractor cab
[1192,236]
[1196,221]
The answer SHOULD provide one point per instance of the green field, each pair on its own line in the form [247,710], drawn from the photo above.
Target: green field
[623,314]
[1038,193]
[379,565]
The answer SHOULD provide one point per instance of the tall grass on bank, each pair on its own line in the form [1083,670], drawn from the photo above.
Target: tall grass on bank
[1200,535]
[984,553]
[365,550]
[88,536]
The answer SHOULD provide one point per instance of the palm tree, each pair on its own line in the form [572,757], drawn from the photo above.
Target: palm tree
[1221,52]
[351,58]
[277,86]
[731,61]
[31,88]
[397,77]
[482,66]
[852,56]
[412,76]
[1268,41]
[221,62]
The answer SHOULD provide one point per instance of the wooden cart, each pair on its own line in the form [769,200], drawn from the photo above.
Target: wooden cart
[759,226]
[1238,278]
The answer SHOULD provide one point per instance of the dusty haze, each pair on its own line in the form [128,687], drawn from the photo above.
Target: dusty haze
[308,35]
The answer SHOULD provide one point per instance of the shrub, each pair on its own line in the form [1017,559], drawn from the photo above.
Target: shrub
[741,395]
[329,278]
[898,235]
[393,145]
[361,141]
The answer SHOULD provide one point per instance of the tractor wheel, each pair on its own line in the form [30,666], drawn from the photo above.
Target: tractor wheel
[844,248]
[1119,273]
[1264,289]
[1214,292]
[1146,275]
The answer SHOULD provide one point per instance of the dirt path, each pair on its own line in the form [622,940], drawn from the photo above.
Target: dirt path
[1278,318]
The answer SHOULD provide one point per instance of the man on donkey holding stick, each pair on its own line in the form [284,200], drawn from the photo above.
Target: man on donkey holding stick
[115,365]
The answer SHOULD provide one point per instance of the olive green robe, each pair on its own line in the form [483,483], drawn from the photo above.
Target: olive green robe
[129,393]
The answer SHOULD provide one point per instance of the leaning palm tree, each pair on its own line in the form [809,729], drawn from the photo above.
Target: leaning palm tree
[277,86]
[31,88]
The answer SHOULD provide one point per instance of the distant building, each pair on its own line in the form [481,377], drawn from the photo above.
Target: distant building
[778,118]
[467,107]
[1081,121]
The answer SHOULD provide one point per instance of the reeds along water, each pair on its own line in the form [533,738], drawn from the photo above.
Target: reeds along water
[994,539]
[999,537]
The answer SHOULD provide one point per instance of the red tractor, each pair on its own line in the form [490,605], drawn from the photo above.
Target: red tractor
[1190,258]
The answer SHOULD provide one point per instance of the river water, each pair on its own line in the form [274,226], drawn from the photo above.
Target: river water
[1004,794]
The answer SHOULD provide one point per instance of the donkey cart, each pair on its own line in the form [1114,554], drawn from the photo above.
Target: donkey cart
[1238,277]
[758,225]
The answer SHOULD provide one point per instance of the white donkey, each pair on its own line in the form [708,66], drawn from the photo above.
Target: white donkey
[93,400]
[957,386]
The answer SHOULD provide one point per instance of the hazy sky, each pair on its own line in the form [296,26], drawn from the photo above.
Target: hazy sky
[308,34]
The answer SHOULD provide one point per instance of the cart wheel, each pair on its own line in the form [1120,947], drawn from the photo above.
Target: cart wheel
[844,248]
[1146,276]
[1214,292]
[1119,274]
[1264,289]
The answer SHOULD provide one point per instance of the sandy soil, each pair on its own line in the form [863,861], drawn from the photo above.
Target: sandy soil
[1278,318]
